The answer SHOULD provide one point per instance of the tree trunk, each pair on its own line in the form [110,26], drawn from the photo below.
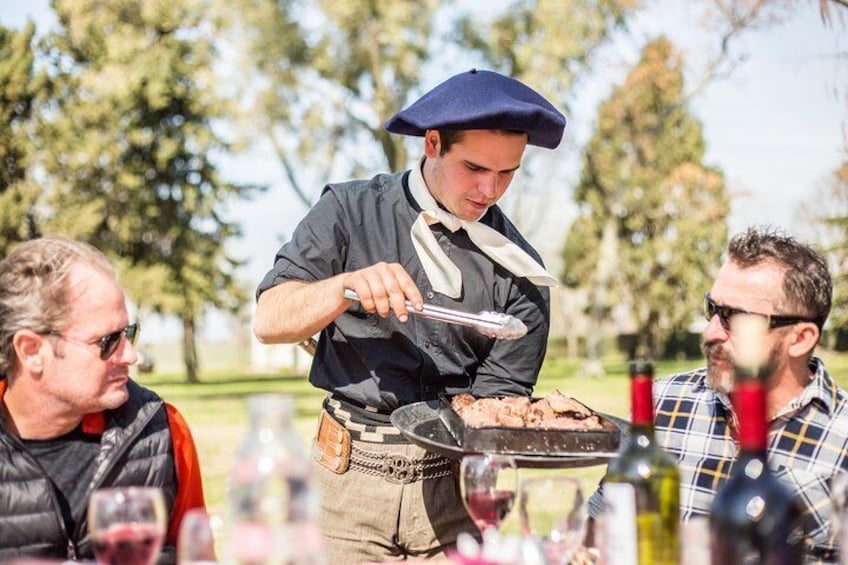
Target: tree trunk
[599,299]
[189,349]
[649,343]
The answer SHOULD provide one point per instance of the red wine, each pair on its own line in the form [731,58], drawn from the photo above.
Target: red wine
[489,508]
[754,517]
[127,544]
[641,489]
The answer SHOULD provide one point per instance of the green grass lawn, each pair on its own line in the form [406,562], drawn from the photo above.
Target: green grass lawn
[216,410]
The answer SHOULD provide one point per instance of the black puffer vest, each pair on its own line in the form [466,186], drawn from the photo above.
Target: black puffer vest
[135,449]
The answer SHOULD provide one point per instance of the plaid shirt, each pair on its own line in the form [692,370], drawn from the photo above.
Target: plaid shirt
[808,445]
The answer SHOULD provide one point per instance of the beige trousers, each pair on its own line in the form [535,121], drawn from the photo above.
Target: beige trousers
[366,519]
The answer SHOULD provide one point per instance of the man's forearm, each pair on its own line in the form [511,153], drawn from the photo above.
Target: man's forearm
[294,311]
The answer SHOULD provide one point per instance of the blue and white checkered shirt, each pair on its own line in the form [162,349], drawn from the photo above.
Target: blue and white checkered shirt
[808,445]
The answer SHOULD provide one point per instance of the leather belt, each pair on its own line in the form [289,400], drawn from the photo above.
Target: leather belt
[338,447]
[399,469]
[333,449]
[362,425]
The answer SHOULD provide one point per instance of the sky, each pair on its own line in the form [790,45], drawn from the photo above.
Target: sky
[777,126]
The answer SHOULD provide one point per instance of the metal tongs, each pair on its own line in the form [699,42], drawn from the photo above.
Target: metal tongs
[490,324]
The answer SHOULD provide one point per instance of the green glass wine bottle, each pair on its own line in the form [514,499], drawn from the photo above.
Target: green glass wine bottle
[641,490]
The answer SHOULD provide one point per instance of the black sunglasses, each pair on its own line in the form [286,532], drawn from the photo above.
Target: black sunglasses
[725,313]
[108,344]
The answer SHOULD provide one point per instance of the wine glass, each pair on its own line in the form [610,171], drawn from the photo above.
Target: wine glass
[488,483]
[552,509]
[196,541]
[127,525]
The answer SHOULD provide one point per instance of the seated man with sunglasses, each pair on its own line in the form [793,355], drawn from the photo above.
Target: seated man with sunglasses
[787,283]
[71,420]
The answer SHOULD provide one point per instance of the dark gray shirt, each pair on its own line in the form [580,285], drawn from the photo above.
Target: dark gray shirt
[384,363]
[69,461]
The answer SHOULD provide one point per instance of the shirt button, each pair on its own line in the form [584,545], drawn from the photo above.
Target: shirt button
[427,343]
[430,295]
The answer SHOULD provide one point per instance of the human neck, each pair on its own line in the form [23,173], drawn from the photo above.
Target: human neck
[29,418]
[783,387]
[425,165]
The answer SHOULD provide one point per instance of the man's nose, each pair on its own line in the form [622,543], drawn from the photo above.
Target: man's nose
[715,331]
[488,185]
[126,354]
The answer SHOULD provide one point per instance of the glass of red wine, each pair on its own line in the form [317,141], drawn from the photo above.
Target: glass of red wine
[488,483]
[127,525]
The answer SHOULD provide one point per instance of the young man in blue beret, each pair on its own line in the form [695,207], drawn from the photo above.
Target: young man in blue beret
[432,234]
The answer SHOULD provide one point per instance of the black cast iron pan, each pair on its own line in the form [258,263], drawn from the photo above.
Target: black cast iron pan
[421,424]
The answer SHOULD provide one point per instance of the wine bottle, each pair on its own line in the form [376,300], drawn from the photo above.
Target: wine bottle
[754,517]
[641,490]
[273,506]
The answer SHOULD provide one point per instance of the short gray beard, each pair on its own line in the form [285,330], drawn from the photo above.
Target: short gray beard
[719,380]
[725,382]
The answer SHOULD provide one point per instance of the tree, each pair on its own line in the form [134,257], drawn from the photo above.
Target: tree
[833,199]
[547,43]
[649,203]
[329,74]
[132,149]
[550,44]
[324,76]
[19,87]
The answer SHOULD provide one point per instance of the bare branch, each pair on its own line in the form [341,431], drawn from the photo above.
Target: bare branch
[824,10]
[289,170]
[738,19]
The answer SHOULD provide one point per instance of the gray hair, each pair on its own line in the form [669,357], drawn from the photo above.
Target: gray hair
[33,290]
[807,285]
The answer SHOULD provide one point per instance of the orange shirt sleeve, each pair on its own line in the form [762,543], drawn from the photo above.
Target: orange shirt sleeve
[189,482]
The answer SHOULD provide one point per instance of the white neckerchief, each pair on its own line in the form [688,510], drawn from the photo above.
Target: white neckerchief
[444,275]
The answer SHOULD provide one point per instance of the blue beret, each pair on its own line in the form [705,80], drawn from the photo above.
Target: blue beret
[482,100]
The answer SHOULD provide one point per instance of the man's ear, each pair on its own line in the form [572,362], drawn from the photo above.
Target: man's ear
[804,339]
[432,143]
[30,349]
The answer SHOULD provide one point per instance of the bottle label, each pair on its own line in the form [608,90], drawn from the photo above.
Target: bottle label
[619,524]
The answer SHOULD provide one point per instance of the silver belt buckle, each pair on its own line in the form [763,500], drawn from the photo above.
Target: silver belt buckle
[400,470]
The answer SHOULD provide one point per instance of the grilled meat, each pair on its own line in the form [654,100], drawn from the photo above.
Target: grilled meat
[555,411]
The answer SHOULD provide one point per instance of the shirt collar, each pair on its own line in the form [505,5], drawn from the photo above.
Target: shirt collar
[701,385]
[821,387]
